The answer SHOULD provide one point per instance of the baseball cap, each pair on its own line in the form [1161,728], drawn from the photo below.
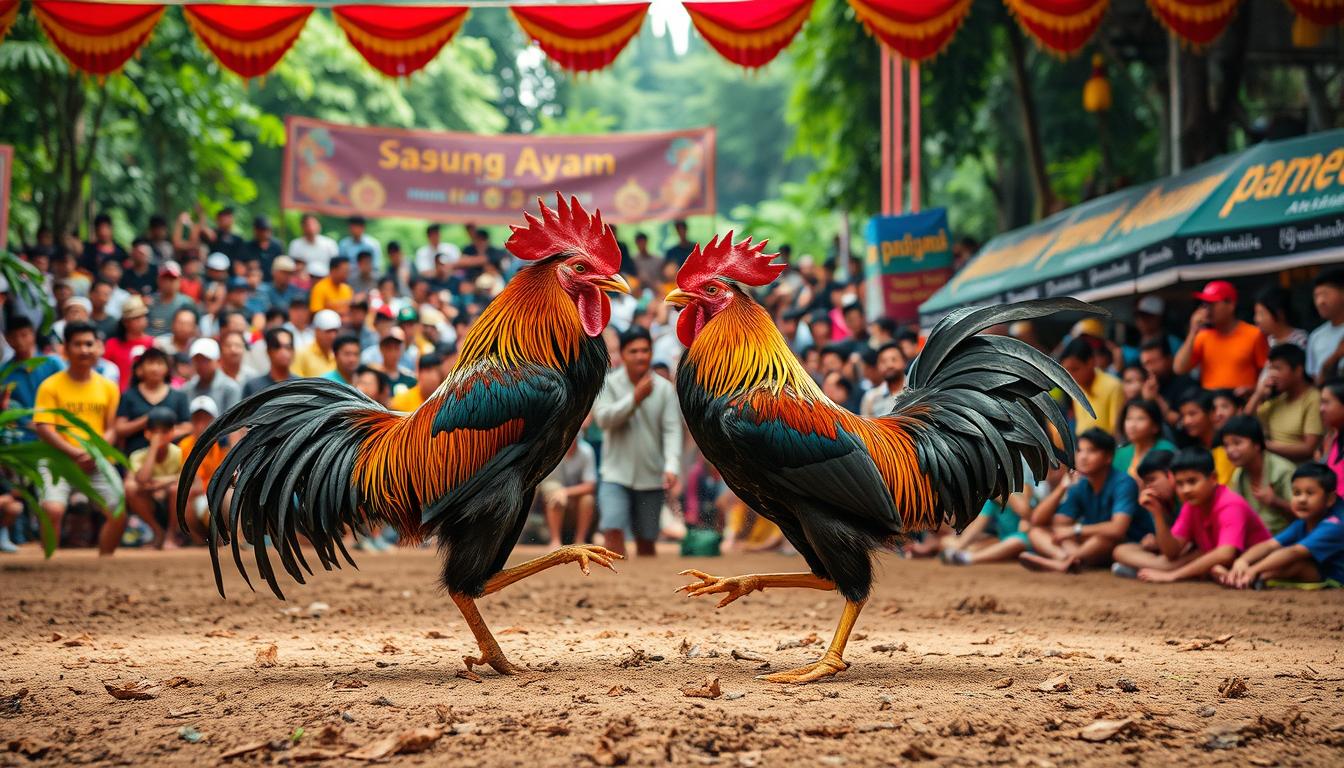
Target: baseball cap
[1090,326]
[238,284]
[408,315]
[1150,305]
[171,268]
[204,403]
[394,333]
[133,307]
[326,320]
[283,264]
[383,312]
[161,416]
[1218,290]
[217,261]
[207,348]
[79,301]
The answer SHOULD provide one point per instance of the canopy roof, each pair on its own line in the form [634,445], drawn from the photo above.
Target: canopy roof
[1274,206]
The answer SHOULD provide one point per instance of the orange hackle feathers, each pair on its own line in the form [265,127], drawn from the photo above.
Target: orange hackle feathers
[568,229]
[744,262]
[531,321]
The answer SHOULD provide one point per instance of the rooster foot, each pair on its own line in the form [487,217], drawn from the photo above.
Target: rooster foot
[495,660]
[583,554]
[733,586]
[827,666]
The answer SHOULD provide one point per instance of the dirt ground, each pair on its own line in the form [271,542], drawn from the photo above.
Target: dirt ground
[948,667]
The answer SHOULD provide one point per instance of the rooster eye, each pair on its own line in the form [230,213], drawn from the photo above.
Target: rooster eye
[711,290]
[580,268]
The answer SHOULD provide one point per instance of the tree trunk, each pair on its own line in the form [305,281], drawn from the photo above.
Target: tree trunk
[1031,132]
[1211,92]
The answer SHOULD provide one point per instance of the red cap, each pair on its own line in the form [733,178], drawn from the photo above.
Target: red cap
[1218,290]
[384,311]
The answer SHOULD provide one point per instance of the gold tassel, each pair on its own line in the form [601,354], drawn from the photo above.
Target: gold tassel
[1097,91]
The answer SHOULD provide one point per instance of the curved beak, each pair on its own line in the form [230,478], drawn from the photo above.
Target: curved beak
[677,298]
[613,283]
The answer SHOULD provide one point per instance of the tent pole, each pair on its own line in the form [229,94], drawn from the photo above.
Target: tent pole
[898,156]
[886,130]
[1174,100]
[914,138]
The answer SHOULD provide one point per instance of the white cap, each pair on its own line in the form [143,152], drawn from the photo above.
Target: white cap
[326,320]
[217,261]
[79,301]
[205,403]
[1151,305]
[207,348]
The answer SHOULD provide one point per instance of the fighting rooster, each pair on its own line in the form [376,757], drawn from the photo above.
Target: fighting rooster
[839,486]
[319,458]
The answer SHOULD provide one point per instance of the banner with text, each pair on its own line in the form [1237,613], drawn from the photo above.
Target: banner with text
[343,169]
[910,257]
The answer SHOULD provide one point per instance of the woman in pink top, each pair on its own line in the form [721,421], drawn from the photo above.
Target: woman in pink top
[1332,416]
[1214,526]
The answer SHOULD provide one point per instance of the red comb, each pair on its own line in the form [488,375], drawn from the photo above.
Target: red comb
[743,262]
[567,229]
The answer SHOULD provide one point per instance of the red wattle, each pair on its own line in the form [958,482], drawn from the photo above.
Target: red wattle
[689,323]
[594,310]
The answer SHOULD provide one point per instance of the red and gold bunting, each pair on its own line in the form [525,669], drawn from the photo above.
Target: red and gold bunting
[1060,26]
[1323,13]
[1197,22]
[97,38]
[9,11]
[399,41]
[916,29]
[581,38]
[750,33]
[247,39]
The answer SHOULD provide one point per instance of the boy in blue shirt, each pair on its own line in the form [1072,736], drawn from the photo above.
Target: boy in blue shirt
[1310,549]
[1100,509]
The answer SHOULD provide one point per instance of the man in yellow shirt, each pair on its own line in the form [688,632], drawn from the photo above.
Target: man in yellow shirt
[153,476]
[428,377]
[333,291]
[93,399]
[318,358]
[1104,391]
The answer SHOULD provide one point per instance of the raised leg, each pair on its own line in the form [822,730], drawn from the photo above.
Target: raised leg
[833,661]
[741,586]
[582,554]
[490,651]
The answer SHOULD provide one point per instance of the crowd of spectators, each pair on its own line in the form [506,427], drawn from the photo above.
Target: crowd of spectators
[1212,451]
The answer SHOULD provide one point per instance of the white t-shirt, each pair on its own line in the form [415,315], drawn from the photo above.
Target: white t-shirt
[1321,344]
[426,256]
[576,468]
[319,251]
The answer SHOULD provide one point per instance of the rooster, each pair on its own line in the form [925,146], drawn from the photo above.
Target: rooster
[841,487]
[319,458]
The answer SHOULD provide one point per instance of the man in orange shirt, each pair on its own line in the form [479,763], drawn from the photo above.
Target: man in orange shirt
[1228,352]
[333,291]
[203,411]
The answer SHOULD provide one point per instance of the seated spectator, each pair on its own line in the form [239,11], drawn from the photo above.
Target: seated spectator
[1196,410]
[388,358]
[233,355]
[569,492]
[1157,490]
[1131,381]
[318,358]
[428,377]
[281,291]
[840,389]
[149,390]
[27,368]
[209,379]
[152,480]
[203,412]
[300,322]
[1332,418]
[183,330]
[1310,550]
[1288,405]
[168,300]
[279,353]
[1214,526]
[1099,511]
[1104,391]
[999,533]
[1263,479]
[880,400]
[1163,386]
[79,390]
[104,312]
[345,353]
[1226,404]
[1273,307]
[333,291]
[130,339]
[1142,425]
[1325,344]
[313,248]
[357,325]
[373,383]
[1229,353]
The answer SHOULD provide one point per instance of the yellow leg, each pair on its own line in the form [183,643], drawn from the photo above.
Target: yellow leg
[830,663]
[741,586]
[490,651]
[577,553]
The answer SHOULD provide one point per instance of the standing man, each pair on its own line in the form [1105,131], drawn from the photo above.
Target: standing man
[682,248]
[333,291]
[648,265]
[209,379]
[428,255]
[345,351]
[263,248]
[314,248]
[1104,392]
[221,238]
[879,400]
[359,241]
[93,398]
[1229,353]
[641,438]
[1325,345]
[279,353]
[318,358]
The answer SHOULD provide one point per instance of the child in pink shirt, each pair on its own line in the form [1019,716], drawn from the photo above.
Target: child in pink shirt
[1214,526]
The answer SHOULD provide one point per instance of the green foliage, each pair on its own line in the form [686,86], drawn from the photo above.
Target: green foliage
[795,218]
